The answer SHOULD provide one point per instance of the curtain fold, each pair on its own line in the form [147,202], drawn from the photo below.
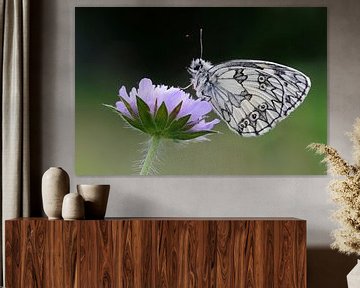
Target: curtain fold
[15,160]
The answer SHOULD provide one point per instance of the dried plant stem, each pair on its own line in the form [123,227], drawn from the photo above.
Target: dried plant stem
[150,155]
[345,192]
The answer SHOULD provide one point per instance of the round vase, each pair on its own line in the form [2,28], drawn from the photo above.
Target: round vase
[96,198]
[55,185]
[73,207]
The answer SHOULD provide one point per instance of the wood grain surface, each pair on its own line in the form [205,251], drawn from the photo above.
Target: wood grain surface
[238,252]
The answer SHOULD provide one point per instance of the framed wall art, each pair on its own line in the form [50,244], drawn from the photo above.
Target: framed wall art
[200,91]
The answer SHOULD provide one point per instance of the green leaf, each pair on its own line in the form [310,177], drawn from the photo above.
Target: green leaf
[190,136]
[175,112]
[145,116]
[176,125]
[189,126]
[112,108]
[133,122]
[155,106]
[128,107]
[161,117]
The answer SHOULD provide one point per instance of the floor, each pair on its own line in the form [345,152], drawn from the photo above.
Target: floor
[328,268]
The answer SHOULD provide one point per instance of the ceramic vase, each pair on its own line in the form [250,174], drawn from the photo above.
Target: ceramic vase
[96,198]
[353,278]
[55,185]
[73,207]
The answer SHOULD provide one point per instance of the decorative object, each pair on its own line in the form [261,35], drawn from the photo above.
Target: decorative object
[157,252]
[249,96]
[73,207]
[96,198]
[353,278]
[55,185]
[345,192]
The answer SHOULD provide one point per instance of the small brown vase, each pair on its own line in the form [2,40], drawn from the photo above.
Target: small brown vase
[55,185]
[96,198]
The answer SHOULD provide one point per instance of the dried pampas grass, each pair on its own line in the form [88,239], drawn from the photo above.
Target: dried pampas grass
[345,191]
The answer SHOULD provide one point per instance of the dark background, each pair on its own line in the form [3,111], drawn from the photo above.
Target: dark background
[154,38]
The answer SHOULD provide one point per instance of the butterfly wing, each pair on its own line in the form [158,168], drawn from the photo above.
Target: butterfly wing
[253,96]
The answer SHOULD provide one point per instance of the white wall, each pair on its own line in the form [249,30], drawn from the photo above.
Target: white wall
[53,125]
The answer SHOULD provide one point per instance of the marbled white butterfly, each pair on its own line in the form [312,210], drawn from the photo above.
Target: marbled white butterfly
[251,96]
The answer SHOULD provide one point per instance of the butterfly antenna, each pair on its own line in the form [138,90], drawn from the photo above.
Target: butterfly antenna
[187,87]
[201,44]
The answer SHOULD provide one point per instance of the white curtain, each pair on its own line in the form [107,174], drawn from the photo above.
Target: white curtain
[14,27]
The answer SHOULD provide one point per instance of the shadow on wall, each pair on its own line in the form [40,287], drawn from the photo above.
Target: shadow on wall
[328,268]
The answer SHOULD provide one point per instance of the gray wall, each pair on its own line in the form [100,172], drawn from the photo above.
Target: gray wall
[52,124]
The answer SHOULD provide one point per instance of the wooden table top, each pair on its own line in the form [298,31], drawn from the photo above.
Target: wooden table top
[172,219]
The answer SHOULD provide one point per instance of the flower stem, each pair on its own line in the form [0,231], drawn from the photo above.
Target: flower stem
[150,155]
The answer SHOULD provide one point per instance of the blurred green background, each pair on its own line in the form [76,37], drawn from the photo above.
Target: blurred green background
[119,46]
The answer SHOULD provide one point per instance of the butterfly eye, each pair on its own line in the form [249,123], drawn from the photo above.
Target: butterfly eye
[261,78]
[263,107]
[262,86]
[254,115]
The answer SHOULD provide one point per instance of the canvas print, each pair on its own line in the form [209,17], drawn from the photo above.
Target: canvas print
[200,91]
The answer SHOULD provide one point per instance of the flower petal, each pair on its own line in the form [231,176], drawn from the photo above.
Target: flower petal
[120,106]
[196,108]
[123,93]
[200,109]
[173,98]
[145,85]
[207,126]
[146,92]
[132,101]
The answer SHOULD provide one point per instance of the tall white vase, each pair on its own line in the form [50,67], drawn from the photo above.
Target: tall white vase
[353,278]
[55,185]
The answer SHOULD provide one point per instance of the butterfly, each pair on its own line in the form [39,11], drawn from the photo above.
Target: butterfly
[251,96]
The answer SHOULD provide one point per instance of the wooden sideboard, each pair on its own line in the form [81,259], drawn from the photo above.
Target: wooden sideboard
[156,252]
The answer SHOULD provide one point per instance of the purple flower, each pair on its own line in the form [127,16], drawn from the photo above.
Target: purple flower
[165,112]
